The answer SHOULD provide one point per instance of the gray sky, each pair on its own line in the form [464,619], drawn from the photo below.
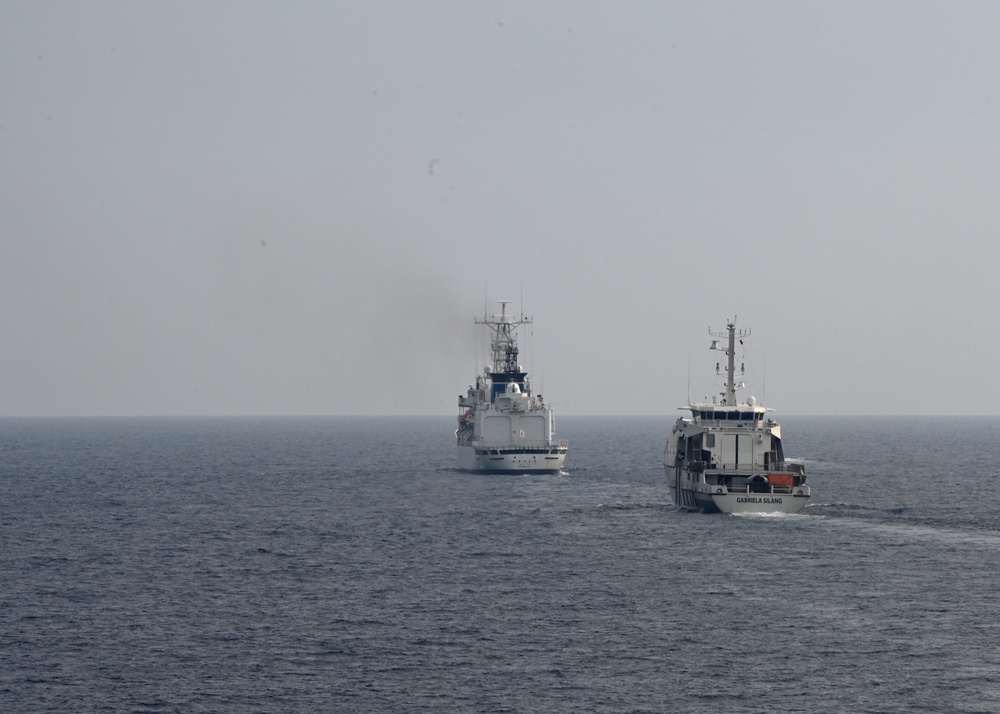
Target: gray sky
[298,208]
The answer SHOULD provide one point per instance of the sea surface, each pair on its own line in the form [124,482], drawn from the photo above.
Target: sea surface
[344,565]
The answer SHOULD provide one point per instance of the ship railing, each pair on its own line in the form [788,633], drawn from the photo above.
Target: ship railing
[786,466]
[519,443]
[743,483]
[771,489]
[773,464]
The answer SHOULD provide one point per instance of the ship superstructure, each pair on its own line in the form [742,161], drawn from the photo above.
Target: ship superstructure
[502,425]
[727,456]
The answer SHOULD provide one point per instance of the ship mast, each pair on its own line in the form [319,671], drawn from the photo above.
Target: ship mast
[729,396]
[503,343]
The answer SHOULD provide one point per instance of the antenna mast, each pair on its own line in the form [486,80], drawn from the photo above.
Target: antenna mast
[729,396]
[503,344]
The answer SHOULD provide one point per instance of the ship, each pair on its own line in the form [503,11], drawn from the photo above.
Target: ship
[502,426]
[727,457]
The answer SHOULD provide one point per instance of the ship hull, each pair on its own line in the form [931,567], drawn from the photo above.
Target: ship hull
[511,460]
[718,499]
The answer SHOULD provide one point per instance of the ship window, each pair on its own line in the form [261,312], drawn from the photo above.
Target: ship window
[709,441]
[693,446]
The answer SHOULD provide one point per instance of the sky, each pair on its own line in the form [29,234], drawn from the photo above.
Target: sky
[299,208]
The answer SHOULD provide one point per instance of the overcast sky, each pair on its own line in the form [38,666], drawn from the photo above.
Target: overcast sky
[299,208]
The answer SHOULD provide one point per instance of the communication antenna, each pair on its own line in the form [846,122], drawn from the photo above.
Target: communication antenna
[689,376]
[763,380]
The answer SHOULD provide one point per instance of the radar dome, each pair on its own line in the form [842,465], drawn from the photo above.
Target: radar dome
[752,400]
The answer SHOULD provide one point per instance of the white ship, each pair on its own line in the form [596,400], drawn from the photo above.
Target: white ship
[502,426]
[727,457]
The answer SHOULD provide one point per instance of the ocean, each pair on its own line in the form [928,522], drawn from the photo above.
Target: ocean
[344,565]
